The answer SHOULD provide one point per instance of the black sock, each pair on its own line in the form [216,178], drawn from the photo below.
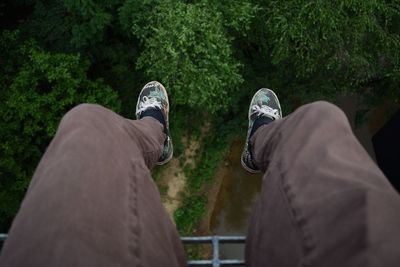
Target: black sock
[156,114]
[260,121]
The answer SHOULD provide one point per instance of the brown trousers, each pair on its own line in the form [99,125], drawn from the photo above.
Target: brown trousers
[92,201]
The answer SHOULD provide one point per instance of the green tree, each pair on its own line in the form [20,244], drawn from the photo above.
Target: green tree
[211,55]
[37,89]
[316,49]
[187,47]
[70,25]
[92,29]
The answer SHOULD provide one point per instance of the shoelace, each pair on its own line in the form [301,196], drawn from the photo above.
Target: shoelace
[148,102]
[265,110]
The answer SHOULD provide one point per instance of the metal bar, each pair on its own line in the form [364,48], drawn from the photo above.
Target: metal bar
[200,263]
[3,237]
[208,239]
[222,262]
[215,244]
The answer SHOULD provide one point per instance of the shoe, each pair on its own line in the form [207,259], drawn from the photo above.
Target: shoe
[265,103]
[154,96]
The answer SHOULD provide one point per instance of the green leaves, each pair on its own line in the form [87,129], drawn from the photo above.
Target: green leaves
[186,47]
[334,36]
[211,55]
[70,25]
[322,48]
[38,88]
[93,19]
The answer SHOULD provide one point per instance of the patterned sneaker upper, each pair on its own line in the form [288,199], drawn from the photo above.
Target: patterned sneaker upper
[264,103]
[154,96]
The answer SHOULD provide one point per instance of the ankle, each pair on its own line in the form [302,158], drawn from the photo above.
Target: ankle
[260,121]
[155,114]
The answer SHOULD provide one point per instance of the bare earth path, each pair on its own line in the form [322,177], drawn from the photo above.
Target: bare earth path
[173,177]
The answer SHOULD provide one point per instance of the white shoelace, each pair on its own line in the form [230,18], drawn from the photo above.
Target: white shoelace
[265,110]
[148,102]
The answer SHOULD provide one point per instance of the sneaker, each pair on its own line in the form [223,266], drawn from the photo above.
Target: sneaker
[154,96]
[265,103]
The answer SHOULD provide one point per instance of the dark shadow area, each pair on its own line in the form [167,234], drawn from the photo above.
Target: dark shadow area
[13,12]
[387,146]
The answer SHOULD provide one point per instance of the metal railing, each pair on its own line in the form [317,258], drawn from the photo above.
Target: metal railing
[215,241]
[3,237]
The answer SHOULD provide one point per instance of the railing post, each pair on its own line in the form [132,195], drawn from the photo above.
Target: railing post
[215,245]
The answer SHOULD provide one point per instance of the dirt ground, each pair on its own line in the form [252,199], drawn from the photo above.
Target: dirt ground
[173,177]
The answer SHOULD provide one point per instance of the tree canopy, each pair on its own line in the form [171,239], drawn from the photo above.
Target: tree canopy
[38,87]
[211,55]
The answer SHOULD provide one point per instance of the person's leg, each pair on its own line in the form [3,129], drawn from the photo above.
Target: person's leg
[92,201]
[324,202]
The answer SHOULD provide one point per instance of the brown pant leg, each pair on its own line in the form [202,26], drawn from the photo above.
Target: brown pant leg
[324,202]
[92,201]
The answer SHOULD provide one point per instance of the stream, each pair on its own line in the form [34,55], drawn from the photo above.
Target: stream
[238,193]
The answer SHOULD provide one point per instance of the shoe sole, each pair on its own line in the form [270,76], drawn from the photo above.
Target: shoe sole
[249,115]
[137,104]
[247,168]
[167,159]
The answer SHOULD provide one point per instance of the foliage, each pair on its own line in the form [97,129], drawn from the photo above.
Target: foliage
[70,25]
[210,54]
[189,214]
[90,28]
[187,49]
[328,47]
[37,89]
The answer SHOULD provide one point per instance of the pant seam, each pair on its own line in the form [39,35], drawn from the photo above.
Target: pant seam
[134,228]
[300,224]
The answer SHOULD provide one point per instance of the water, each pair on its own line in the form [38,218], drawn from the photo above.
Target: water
[237,195]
